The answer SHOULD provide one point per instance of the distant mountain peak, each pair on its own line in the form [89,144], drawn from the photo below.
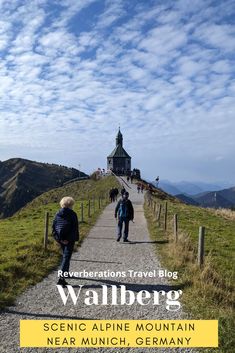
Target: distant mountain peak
[21,180]
[200,194]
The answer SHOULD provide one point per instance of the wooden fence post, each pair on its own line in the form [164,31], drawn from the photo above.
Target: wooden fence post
[46,224]
[176,227]
[82,213]
[157,210]
[165,217]
[201,246]
[159,213]
[93,203]
[89,208]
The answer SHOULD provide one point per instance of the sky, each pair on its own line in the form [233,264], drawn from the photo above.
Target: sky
[72,71]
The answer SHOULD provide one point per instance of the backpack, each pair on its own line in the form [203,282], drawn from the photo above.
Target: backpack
[122,211]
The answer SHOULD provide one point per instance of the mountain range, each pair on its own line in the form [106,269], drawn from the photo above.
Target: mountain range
[201,194]
[22,180]
[191,188]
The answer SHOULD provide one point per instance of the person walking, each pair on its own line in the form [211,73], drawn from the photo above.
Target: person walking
[116,192]
[124,211]
[112,195]
[65,229]
[123,190]
[142,188]
[138,188]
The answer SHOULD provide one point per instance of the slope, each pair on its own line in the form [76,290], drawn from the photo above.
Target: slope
[23,261]
[22,180]
[208,291]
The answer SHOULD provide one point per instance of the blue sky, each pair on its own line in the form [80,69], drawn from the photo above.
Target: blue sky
[71,71]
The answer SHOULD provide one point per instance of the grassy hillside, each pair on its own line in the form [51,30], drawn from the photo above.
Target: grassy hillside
[23,261]
[22,180]
[209,291]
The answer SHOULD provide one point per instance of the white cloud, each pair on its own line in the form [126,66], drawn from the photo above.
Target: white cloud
[222,67]
[163,39]
[217,36]
[165,74]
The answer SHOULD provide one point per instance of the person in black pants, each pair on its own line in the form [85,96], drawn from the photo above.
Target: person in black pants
[66,231]
[125,213]
[123,190]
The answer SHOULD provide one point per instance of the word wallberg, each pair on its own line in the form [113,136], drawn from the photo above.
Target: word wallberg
[119,295]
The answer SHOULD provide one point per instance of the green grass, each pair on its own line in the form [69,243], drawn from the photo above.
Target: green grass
[23,261]
[208,293]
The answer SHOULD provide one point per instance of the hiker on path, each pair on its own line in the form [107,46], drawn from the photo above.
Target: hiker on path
[65,230]
[112,195]
[124,211]
[138,188]
[123,190]
[116,192]
[142,188]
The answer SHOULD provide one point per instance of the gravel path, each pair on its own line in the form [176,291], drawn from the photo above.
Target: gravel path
[99,252]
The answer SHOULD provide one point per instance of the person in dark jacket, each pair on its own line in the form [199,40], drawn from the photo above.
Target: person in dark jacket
[116,192]
[125,213]
[112,195]
[123,190]
[66,230]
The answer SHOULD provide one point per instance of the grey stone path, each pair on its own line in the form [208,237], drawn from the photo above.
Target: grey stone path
[99,252]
